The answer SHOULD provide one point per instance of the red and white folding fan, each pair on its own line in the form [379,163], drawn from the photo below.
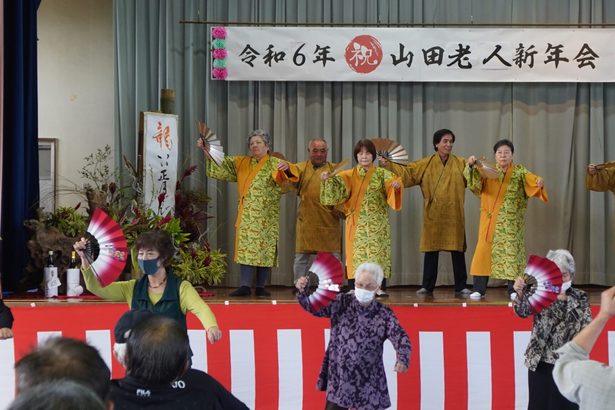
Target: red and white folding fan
[106,249]
[324,279]
[543,282]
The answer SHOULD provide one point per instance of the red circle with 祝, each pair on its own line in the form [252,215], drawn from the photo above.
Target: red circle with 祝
[363,54]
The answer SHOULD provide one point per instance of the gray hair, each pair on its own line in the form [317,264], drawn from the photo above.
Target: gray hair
[372,268]
[563,259]
[260,133]
[317,139]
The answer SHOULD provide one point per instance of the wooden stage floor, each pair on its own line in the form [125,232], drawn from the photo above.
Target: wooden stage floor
[398,295]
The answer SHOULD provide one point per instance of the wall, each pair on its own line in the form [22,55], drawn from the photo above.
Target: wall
[75,71]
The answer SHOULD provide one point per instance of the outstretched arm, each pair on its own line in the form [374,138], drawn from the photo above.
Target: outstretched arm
[587,337]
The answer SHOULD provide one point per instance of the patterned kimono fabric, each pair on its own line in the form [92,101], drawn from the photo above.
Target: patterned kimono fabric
[258,214]
[500,250]
[365,195]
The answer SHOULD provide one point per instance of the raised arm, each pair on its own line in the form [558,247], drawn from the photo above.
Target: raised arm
[600,180]
[474,181]
[332,189]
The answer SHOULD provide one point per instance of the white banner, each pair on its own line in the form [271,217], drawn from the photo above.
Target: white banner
[413,54]
[159,161]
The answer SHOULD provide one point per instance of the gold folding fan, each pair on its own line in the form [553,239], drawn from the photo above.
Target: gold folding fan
[390,150]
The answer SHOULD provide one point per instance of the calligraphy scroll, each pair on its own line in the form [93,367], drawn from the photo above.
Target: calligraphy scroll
[159,161]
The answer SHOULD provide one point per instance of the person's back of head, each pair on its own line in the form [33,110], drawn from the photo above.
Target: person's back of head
[63,359]
[58,395]
[157,351]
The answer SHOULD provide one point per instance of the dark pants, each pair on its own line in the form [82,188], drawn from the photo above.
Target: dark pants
[430,270]
[480,284]
[333,406]
[246,272]
[544,394]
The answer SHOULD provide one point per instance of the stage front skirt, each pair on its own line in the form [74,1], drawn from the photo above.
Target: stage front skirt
[270,355]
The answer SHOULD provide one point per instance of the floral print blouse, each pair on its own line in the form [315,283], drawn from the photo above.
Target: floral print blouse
[554,326]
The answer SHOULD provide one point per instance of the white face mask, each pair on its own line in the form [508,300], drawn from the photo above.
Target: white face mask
[566,285]
[364,295]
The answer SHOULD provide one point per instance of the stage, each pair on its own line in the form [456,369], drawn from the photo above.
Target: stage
[464,351]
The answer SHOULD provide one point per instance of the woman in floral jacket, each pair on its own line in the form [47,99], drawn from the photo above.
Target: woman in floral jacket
[553,327]
[352,370]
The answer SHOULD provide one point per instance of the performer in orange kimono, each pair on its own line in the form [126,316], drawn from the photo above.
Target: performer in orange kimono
[259,178]
[500,250]
[365,191]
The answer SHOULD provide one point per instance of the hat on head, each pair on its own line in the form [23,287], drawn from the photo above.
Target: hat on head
[127,322]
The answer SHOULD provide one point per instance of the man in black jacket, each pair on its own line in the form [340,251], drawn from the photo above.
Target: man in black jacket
[157,360]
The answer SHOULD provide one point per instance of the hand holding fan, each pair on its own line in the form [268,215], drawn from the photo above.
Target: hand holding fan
[324,279]
[606,165]
[336,168]
[390,150]
[543,282]
[106,249]
[486,169]
[211,144]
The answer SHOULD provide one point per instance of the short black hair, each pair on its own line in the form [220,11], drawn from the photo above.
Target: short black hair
[368,145]
[160,241]
[64,358]
[438,135]
[157,350]
[506,142]
[127,322]
[58,395]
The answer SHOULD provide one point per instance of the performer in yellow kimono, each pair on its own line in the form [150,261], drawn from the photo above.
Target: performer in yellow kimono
[259,178]
[443,185]
[600,180]
[365,191]
[318,226]
[500,250]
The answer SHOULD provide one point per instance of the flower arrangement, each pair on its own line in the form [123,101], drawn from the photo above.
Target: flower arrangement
[195,260]
[219,53]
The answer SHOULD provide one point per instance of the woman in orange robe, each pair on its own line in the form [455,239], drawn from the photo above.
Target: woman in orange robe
[500,250]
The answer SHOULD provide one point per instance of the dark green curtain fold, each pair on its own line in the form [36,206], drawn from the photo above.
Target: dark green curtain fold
[20,194]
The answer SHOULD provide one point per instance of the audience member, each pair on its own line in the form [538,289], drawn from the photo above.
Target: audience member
[553,326]
[157,357]
[6,321]
[58,395]
[62,358]
[587,382]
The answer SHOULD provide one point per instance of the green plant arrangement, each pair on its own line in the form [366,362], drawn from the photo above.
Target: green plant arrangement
[68,221]
[195,260]
[199,265]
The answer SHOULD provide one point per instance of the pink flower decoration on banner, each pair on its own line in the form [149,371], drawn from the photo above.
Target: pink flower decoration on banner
[218,32]
[219,53]
[219,73]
